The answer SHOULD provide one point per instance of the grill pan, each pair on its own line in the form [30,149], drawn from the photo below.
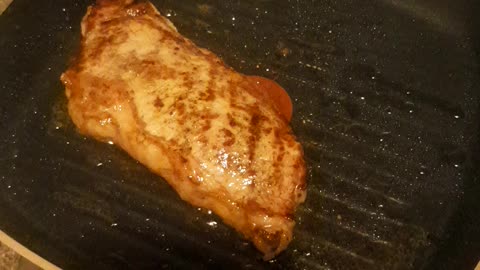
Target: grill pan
[386,99]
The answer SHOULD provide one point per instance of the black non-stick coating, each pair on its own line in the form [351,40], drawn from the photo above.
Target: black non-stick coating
[385,100]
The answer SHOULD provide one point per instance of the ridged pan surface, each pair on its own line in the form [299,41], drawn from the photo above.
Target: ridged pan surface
[384,106]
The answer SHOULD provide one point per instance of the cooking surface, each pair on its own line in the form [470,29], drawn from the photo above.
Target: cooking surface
[384,105]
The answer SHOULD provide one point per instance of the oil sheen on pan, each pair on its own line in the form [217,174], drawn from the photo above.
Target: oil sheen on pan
[221,139]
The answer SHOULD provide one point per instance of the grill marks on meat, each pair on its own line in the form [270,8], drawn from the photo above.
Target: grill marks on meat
[217,137]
